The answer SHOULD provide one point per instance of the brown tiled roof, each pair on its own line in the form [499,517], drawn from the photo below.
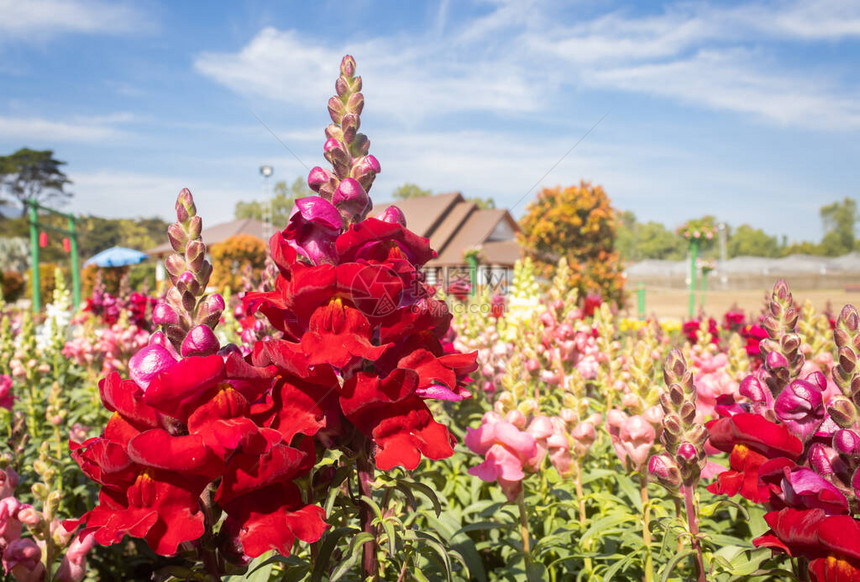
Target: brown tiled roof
[453,225]
[471,233]
[501,252]
[423,213]
[219,233]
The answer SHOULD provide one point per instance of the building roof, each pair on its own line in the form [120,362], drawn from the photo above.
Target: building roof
[219,233]
[454,225]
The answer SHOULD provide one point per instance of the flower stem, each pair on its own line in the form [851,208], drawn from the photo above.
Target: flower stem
[364,464]
[693,522]
[524,526]
[646,530]
[581,499]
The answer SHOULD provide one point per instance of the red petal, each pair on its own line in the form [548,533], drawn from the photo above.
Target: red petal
[757,433]
[183,454]
[177,391]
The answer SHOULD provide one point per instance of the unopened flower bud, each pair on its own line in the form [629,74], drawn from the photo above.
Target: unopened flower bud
[393,215]
[335,109]
[686,453]
[195,227]
[347,66]
[164,314]
[820,459]
[355,104]
[200,341]
[672,425]
[842,411]
[148,363]
[177,237]
[850,318]
[847,359]
[175,265]
[351,198]
[185,207]
[529,406]
[210,309]
[317,177]
[775,361]
[516,418]
[846,442]
[666,471]
[195,254]
[40,490]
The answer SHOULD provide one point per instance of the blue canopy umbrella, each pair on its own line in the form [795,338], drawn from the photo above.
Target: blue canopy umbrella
[116,257]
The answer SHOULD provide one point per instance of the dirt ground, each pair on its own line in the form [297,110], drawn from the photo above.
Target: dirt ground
[674,304]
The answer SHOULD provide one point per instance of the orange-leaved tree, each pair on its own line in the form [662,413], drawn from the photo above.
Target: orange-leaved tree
[578,223]
[232,256]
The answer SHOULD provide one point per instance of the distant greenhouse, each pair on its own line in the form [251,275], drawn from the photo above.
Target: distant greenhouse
[802,271]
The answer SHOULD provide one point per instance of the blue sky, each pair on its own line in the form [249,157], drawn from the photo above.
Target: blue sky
[746,110]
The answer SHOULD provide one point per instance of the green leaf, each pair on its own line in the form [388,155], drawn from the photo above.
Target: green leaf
[602,525]
[618,565]
[667,571]
[429,494]
[352,556]
[330,541]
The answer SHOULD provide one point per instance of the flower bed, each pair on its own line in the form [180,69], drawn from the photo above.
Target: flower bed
[337,421]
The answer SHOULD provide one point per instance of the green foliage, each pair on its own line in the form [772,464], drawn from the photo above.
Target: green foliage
[33,175]
[409,190]
[839,220]
[753,242]
[95,234]
[637,241]
[283,198]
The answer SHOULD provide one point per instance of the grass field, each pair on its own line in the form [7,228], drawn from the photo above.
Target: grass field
[674,303]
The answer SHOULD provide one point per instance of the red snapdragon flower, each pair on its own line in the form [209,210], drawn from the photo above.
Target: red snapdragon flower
[751,440]
[362,344]
[831,543]
[166,443]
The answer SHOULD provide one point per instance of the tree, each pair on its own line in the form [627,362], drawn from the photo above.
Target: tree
[578,223]
[231,258]
[282,201]
[409,190]
[655,241]
[637,241]
[839,220]
[752,242]
[33,175]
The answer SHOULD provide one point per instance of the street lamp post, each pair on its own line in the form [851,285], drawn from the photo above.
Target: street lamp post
[266,171]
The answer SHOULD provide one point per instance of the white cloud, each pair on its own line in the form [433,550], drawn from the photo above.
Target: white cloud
[729,80]
[406,81]
[82,129]
[517,59]
[42,18]
[119,194]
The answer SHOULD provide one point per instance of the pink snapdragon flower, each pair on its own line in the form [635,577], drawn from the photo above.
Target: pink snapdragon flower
[6,397]
[8,482]
[506,449]
[23,559]
[74,565]
[632,437]
[712,380]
